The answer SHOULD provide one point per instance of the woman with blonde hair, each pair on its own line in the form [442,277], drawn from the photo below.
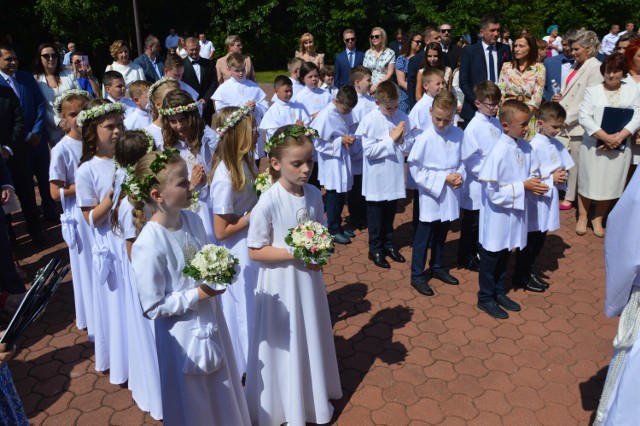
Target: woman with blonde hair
[234,45]
[379,58]
[131,71]
[306,51]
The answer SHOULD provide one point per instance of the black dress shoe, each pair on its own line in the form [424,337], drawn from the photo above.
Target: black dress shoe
[421,285]
[347,233]
[445,277]
[538,280]
[395,255]
[507,303]
[493,309]
[340,238]
[379,260]
[529,285]
[469,264]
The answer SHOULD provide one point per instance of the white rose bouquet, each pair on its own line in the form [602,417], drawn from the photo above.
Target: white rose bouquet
[213,265]
[311,242]
[263,182]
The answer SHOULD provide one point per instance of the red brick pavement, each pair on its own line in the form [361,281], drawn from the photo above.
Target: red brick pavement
[404,358]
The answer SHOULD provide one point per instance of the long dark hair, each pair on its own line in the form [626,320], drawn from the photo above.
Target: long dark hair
[433,46]
[37,64]
[406,43]
[532,57]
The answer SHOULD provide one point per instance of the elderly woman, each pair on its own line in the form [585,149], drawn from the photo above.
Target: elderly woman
[52,80]
[131,71]
[554,41]
[411,45]
[234,45]
[307,52]
[604,159]
[379,58]
[584,72]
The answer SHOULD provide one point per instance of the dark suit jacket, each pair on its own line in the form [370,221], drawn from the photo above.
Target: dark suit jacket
[473,70]
[33,104]
[5,175]
[341,67]
[553,67]
[412,76]
[11,120]
[150,73]
[206,86]
[452,56]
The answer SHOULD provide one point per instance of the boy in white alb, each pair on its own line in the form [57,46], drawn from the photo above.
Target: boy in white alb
[509,172]
[543,213]
[480,135]
[115,89]
[239,91]
[360,78]
[334,144]
[283,111]
[140,117]
[385,139]
[437,170]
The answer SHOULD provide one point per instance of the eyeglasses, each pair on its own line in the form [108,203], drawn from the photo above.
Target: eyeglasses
[445,30]
[49,56]
[349,40]
[489,105]
[375,36]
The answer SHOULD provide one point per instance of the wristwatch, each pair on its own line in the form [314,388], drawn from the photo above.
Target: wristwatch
[245,217]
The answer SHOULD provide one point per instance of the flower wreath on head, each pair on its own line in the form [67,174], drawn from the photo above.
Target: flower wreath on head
[233,119]
[180,109]
[151,146]
[294,131]
[99,111]
[157,84]
[139,188]
[57,104]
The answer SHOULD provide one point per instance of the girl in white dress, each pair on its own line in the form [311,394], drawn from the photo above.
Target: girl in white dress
[233,177]
[292,371]
[101,123]
[198,375]
[157,92]
[185,130]
[144,376]
[65,159]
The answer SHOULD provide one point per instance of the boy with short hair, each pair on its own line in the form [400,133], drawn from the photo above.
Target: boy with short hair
[326,75]
[386,136]
[510,172]
[437,170]
[293,66]
[174,68]
[433,83]
[116,89]
[283,111]
[140,117]
[360,78]
[543,212]
[480,135]
[334,144]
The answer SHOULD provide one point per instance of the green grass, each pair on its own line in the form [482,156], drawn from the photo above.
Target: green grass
[269,76]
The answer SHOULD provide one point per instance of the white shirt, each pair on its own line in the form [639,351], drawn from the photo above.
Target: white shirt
[206,49]
[609,43]
[196,68]
[420,115]
[494,52]
[137,119]
[282,113]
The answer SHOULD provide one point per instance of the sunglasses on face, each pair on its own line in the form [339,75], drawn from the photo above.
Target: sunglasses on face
[349,40]
[375,36]
[49,56]
[445,30]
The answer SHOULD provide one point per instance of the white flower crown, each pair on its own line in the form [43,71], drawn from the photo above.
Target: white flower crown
[233,119]
[57,104]
[178,110]
[99,111]
[157,84]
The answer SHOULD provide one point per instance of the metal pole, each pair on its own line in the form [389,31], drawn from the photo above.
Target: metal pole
[138,36]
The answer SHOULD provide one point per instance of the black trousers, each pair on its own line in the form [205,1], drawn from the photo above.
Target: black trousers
[526,257]
[493,274]
[9,279]
[468,244]
[380,215]
[21,167]
[357,204]
[334,205]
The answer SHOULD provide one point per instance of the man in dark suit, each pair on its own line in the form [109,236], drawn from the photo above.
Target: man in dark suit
[558,67]
[482,61]
[347,59]
[429,35]
[150,61]
[200,74]
[10,282]
[30,155]
[451,50]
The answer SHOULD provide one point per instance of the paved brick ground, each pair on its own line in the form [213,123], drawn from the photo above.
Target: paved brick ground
[404,359]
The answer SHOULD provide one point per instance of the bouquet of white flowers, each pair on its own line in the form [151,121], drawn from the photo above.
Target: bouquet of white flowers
[310,242]
[213,265]
[263,182]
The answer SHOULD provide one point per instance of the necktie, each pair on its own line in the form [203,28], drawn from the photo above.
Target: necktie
[12,82]
[351,59]
[492,70]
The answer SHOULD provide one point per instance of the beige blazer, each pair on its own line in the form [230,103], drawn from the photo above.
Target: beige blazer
[572,94]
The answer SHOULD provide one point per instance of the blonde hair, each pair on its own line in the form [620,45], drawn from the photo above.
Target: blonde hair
[304,38]
[231,40]
[158,95]
[387,91]
[235,60]
[588,40]
[384,37]
[276,151]
[138,87]
[116,46]
[142,169]
[445,100]
[234,148]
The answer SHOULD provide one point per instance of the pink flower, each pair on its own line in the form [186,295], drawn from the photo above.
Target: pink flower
[323,236]
[300,226]
[310,234]
[314,249]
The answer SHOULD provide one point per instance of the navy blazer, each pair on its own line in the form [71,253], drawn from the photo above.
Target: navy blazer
[33,104]
[473,70]
[412,75]
[11,120]
[5,175]
[150,73]
[341,67]
[553,67]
